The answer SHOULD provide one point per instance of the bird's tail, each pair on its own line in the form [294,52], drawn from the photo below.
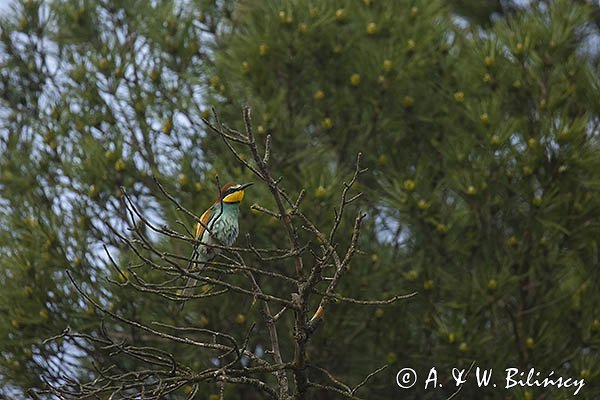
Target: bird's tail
[191,284]
[188,290]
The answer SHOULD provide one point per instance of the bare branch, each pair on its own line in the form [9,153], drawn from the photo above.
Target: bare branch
[230,273]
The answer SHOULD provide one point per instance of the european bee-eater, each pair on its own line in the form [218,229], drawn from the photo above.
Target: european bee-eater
[221,219]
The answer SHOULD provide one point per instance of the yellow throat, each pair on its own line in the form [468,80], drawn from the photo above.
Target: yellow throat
[234,197]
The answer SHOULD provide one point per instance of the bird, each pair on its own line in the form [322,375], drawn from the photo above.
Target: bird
[221,219]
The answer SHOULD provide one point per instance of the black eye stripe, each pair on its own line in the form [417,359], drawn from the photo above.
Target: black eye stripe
[230,191]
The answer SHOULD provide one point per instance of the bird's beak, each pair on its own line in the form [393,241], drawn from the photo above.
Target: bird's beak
[245,185]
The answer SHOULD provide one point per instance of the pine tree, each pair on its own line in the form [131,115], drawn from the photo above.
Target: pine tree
[482,145]
[479,128]
[89,96]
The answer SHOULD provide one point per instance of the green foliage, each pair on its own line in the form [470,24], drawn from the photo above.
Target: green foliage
[484,157]
[482,194]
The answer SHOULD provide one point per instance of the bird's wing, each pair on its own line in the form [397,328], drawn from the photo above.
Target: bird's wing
[196,254]
[199,232]
[205,219]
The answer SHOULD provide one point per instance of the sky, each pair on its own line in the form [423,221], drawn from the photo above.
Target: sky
[5,5]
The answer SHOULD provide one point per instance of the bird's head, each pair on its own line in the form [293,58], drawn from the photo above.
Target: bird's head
[233,192]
